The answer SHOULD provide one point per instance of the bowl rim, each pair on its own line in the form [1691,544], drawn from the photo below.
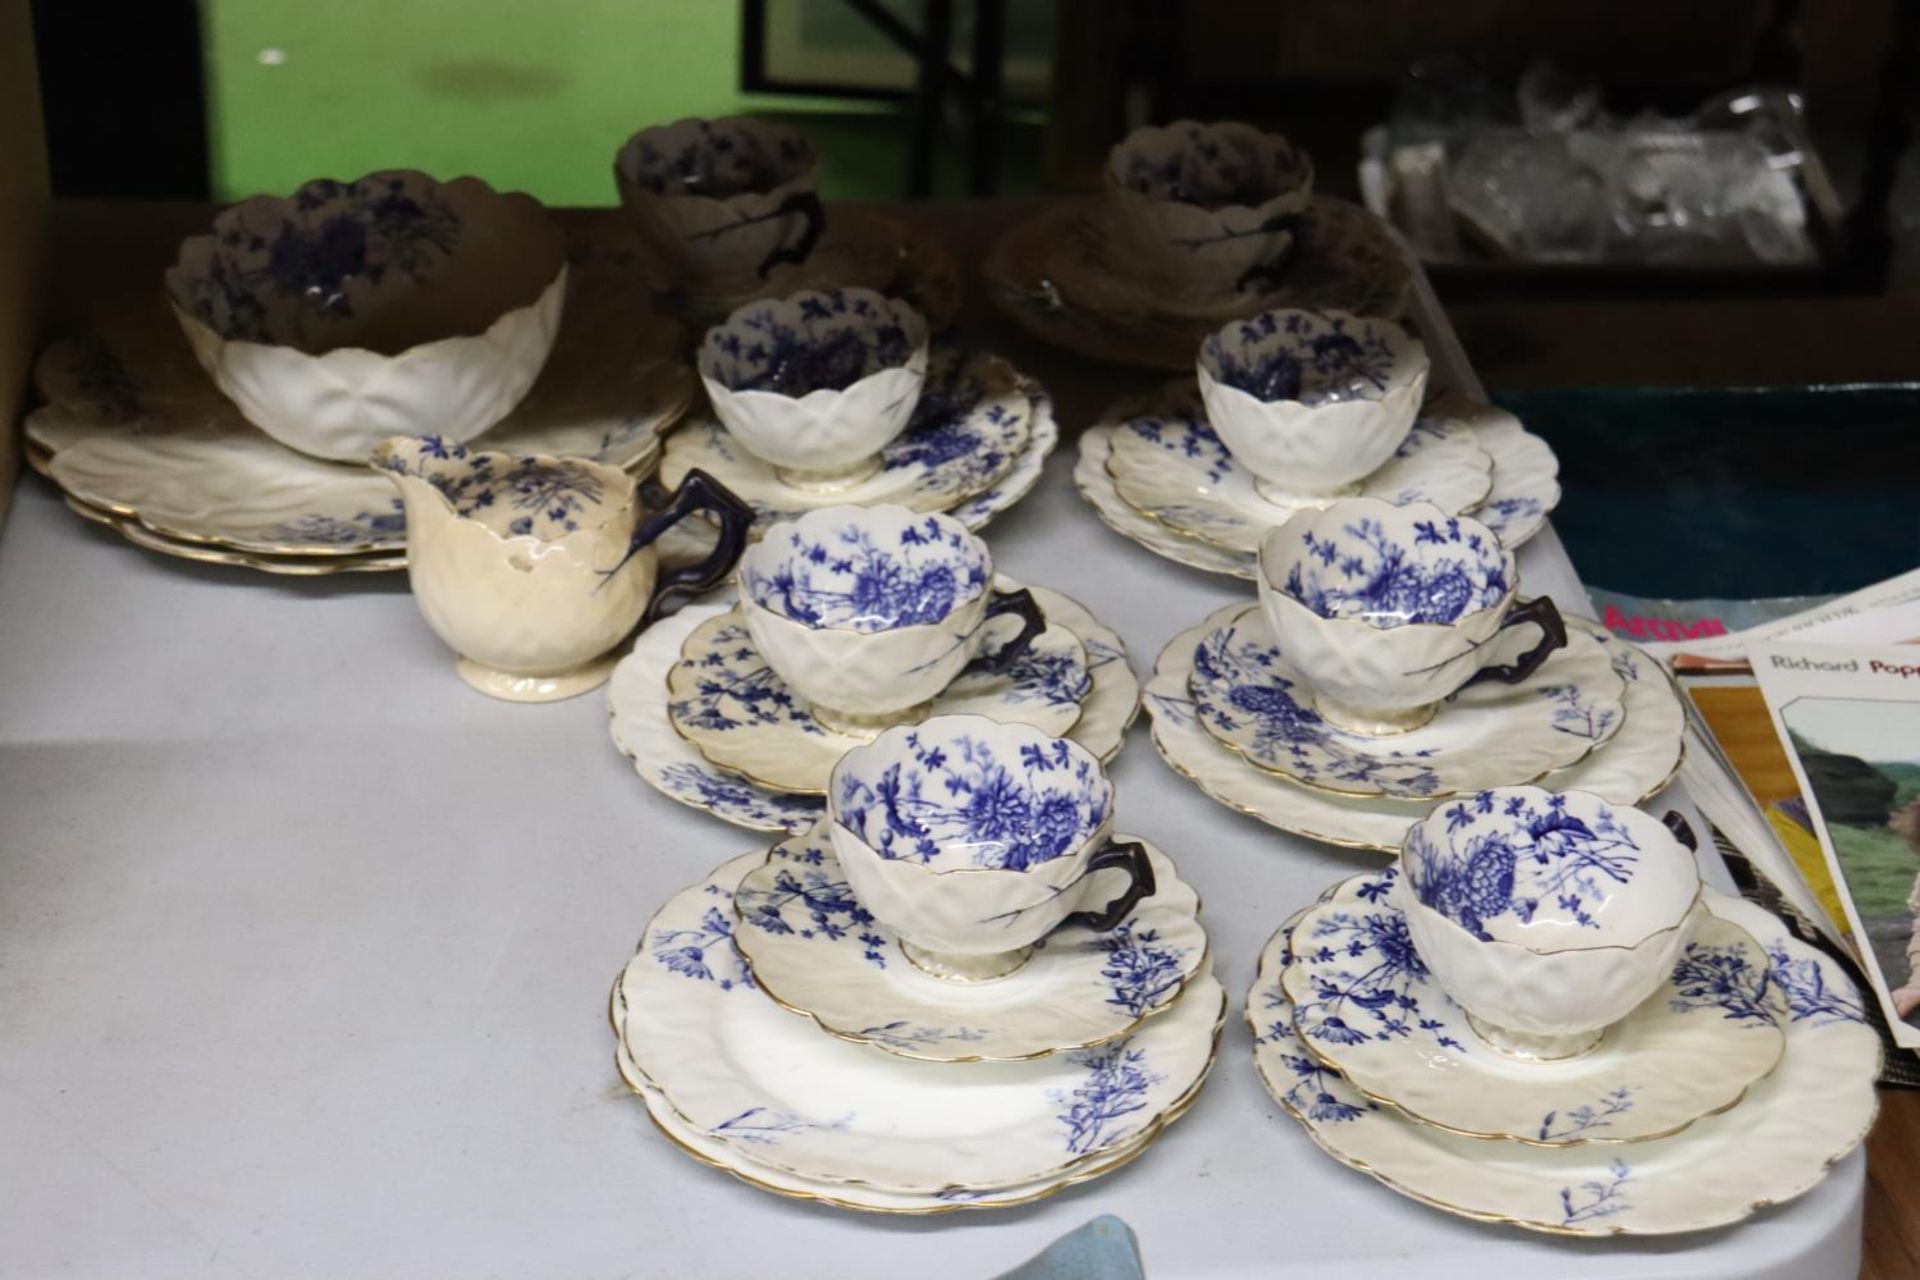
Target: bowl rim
[914,365]
[178,271]
[1408,900]
[1092,836]
[1411,366]
[1264,563]
[764,545]
[625,177]
[1303,187]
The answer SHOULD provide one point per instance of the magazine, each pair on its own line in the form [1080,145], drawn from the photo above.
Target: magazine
[1849,720]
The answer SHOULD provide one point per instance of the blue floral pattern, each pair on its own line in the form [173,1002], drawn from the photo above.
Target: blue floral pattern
[812,341]
[960,799]
[704,953]
[765,1126]
[715,158]
[1575,1122]
[1213,166]
[1364,571]
[1094,1112]
[801,900]
[1524,855]
[850,577]
[1303,356]
[263,274]
[521,497]
[1598,1198]
[737,800]
[1140,970]
[1362,970]
[318,529]
[1315,1091]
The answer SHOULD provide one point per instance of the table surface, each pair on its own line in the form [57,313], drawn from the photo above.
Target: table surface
[304,953]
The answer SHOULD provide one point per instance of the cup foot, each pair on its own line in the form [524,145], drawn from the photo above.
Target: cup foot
[1524,1046]
[1374,722]
[868,727]
[511,686]
[829,481]
[949,967]
[1298,499]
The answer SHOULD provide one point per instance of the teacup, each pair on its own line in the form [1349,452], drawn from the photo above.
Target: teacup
[1311,402]
[869,612]
[972,840]
[817,383]
[725,201]
[1387,610]
[349,312]
[1211,209]
[1547,917]
[532,569]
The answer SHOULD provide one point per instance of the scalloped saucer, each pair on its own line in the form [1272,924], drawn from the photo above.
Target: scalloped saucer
[814,950]
[1778,1143]
[739,713]
[1366,1005]
[1526,488]
[1637,762]
[1252,701]
[637,707]
[968,432]
[738,1068]
[1168,465]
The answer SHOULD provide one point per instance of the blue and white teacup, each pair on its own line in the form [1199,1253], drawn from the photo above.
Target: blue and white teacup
[1387,610]
[1547,916]
[1211,209]
[1311,402]
[724,201]
[972,840]
[869,612]
[817,383]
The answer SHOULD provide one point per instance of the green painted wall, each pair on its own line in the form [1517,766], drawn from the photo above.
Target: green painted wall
[534,95]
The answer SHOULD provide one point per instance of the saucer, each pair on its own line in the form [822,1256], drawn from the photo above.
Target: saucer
[813,949]
[637,705]
[736,1067]
[719,1155]
[132,427]
[1489,734]
[1525,488]
[1637,762]
[207,553]
[1170,466]
[1062,278]
[1365,1004]
[973,420]
[740,715]
[1779,1142]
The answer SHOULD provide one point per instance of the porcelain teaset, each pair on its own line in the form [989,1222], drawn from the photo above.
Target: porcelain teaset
[948,984]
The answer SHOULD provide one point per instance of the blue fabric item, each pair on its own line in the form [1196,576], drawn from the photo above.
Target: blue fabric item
[1103,1249]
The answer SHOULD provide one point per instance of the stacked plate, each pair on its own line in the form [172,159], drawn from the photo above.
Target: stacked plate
[1158,473]
[1744,1076]
[778,1031]
[138,437]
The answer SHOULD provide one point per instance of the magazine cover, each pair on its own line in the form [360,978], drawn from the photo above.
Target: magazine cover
[1850,719]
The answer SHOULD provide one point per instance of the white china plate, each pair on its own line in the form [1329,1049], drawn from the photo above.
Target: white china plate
[136,430]
[740,715]
[1778,1143]
[1251,700]
[967,433]
[1637,762]
[1057,277]
[737,1067]
[637,707]
[812,949]
[1366,1005]
[1168,464]
[1526,488]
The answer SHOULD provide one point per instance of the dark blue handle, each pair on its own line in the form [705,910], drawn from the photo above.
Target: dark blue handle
[697,492]
[807,205]
[1546,615]
[1129,856]
[1032,622]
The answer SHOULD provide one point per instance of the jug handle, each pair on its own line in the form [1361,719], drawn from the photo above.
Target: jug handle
[698,491]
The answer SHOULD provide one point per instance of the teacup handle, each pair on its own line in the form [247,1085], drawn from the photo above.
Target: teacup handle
[1543,612]
[807,205]
[1129,856]
[1032,622]
[1682,830]
[1262,276]
[698,491]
